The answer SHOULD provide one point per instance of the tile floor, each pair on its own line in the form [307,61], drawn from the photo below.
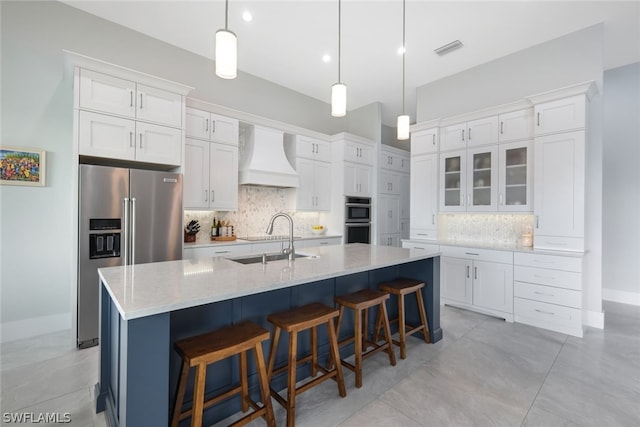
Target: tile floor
[485,372]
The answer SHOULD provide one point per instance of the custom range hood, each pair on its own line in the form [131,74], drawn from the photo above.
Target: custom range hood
[263,160]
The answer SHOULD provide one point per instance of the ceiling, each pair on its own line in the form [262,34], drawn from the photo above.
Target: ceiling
[285,41]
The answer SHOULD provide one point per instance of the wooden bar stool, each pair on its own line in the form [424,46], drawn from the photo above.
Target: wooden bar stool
[360,302]
[400,288]
[294,321]
[202,350]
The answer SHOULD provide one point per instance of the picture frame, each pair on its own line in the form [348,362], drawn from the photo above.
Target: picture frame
[22,166]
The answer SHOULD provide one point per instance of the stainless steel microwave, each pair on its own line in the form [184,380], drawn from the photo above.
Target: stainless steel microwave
[357,209]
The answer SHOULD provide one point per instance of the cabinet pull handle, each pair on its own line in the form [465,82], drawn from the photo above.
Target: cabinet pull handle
[140,139]
[472,253]
[212,196]
[538,119]
[501,202]
[422,234]
[537,276]
[469,135]
[544,294]
[206,195]
[501,128]
[475,272]
[213,126]
[433,219]
[131,139]
[324,243]
[434,139]
[130,98]
[537,221]
[462,200]
[141,100]
[463,134]
[545,312]
[221,252]
[468,272]
[418,247]
[206,125]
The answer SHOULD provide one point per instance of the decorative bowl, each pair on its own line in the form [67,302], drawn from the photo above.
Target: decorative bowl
[318,231]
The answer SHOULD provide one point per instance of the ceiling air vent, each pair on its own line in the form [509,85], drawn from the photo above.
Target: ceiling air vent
[449,47]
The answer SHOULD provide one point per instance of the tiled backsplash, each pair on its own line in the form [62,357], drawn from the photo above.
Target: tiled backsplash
[486,228]
[256,206]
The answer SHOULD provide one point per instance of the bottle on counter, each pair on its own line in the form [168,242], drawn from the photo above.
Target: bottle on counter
[218,229]
[214,229]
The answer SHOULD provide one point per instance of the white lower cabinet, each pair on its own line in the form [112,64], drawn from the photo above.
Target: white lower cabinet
[548,292]
[478,279]
[310,243]
[215,251]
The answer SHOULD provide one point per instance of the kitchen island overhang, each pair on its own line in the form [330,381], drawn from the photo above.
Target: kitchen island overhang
[145,308]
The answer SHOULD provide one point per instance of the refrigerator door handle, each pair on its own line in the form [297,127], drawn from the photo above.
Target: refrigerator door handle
[125,233]
[133,231]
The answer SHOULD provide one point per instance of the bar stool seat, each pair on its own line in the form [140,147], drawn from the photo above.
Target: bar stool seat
[202,350]
[401,287]
[361,301]
[295,321]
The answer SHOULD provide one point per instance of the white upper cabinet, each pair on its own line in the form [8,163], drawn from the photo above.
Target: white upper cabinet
[356,152]
[314,192]
[424,196]
[559,189]
[394,161]
[453,173]
[211,127]
[560,115]
[470,134]
[357,179]
[515,176]
[482,179]
[113,95]
[158,144]
[210,175]
[425,141]
[314,149]
[516,126]
[101,135]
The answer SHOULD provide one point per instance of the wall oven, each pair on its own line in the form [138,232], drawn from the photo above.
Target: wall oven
[358,220]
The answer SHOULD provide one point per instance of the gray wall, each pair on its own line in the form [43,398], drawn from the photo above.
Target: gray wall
[621,180]
[574,58]
[389,138]
[37,259]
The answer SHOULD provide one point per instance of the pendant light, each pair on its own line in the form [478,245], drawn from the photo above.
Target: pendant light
[403,120]
[226,49]
[339,90]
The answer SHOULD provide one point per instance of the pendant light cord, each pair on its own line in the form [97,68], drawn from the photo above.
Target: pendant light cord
[404,51]
[226,14]
[339,37]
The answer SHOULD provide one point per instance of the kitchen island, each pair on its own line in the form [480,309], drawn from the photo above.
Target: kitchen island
[145,308]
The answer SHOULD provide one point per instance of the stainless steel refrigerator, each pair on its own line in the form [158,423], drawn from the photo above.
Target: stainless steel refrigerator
[126,216]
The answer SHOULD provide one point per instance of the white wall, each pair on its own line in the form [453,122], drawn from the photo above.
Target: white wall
[621,183]
[37,255]
[571,59]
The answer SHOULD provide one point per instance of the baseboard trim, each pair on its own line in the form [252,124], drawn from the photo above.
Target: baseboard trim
[32,327]
[623,297]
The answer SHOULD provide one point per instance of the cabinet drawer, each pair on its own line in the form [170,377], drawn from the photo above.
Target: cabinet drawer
[548,261]
[551,316]
[548,294]
[427,247]
[548,277]
[559,243]
[504,257]
[423,233]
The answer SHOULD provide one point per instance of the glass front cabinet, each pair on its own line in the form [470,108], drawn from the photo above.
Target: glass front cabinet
[452,181]
[516,177]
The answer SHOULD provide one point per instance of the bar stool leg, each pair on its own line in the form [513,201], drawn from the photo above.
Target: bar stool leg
[365,328]
[243,382]
[291,387]
[401,328]
[333,341]
[387,333]
[198,395]
[272,351]
[330,360]
[182,385]
[423,317]
[264,385]
[314,351]
[358,347]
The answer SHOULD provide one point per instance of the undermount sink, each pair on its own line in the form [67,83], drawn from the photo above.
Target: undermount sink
[268,257]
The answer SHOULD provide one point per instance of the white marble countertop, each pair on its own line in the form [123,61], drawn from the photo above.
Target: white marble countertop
[512,247]
[241,241]
[147,289]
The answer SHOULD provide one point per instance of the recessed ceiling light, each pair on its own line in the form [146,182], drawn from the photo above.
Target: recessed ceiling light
[401,50]
[246,16]
[326,58]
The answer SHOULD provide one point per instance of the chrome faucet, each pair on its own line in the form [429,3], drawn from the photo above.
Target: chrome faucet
[290,250]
